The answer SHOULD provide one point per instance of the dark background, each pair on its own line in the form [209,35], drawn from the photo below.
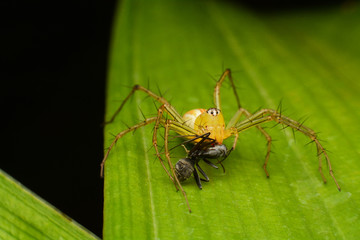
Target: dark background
[53,72]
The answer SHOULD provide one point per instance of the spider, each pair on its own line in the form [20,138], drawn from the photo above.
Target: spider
[206,129]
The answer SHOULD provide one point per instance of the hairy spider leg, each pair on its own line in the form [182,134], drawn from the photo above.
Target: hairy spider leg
[236,118]
[154,142]
[238,114]
[177,125]
[120,135]
[170,109]
[170,125]
[267,115]
[133,128]
[167,154]
[218,86]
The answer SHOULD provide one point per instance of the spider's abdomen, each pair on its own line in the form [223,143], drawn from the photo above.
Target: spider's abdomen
[191,116]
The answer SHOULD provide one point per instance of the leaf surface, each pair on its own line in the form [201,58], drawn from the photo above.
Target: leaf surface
[23,215]
[308,60]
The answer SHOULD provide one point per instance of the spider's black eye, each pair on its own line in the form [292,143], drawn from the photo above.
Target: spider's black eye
[213,111]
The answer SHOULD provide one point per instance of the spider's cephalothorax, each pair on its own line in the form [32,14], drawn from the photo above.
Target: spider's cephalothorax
[210,123]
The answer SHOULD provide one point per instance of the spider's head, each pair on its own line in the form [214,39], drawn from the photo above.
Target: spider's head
[211,121]
[184,168]
[213,112]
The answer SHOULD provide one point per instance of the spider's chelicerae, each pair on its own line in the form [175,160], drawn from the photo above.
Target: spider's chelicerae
[206,129]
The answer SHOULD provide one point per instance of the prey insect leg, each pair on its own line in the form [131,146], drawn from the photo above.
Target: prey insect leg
[203,173]
[197,178]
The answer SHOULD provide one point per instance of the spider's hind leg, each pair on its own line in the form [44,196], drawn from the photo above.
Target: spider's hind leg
[120,135]
[233,123]
[267,115]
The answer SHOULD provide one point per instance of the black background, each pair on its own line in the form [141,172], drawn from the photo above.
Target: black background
[53,72]
[54,63]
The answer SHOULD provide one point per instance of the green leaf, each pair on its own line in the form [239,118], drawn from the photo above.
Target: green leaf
[23,215]
[308,60]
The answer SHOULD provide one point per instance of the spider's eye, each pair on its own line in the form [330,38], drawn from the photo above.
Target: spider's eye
[213,111]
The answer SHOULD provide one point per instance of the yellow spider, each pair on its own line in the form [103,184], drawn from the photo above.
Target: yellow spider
[206,129]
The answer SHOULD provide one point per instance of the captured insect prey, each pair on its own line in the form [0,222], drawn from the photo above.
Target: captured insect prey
[204,149]
[205,131]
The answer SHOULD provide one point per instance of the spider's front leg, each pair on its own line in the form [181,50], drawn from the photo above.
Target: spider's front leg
[166,106]
[227,73]
[170,109]
[267,115]
[160,120]
[147,121]
[238,114]
[167,126]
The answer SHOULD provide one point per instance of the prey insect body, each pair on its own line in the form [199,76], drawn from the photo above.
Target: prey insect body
[203,150]
[209,128]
